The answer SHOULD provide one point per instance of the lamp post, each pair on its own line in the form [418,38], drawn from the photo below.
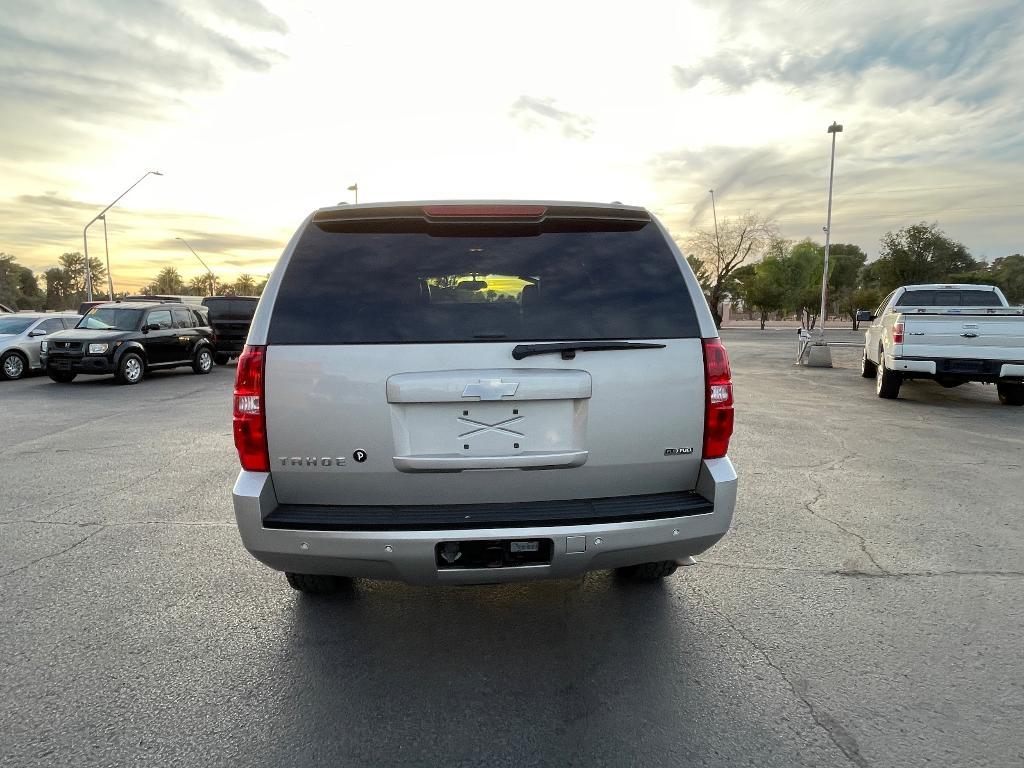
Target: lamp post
[106,249]
[213,280]
[833,129]
[355,188]
[85,237]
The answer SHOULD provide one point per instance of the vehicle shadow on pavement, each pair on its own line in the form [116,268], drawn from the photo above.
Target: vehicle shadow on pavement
[590,672]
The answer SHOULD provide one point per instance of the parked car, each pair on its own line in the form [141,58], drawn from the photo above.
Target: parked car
[4,309]
[484,392]
[20,337]
[129,339]
[230,318]
[950,333]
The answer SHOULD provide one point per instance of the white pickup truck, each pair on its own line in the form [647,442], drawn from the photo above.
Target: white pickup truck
[950,333]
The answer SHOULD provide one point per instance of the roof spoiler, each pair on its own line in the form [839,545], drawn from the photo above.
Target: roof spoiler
[431,217]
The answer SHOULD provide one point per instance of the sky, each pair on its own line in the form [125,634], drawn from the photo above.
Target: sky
[259,112]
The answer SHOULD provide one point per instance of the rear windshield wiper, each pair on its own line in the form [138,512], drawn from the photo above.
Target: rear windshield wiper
[570,348]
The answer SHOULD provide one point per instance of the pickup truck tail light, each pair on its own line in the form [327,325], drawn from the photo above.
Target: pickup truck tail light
[897,333]
[250,418]
[718,406]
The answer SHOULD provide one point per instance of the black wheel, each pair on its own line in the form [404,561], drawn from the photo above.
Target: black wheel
[129,369]
[1010,394]
[203,362]
[315,584]
[62,377]
[887,383]
[221,359]
[648,571]
[867,368]
[13,365]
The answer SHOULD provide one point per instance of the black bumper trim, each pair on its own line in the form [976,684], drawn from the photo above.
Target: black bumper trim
[618,509]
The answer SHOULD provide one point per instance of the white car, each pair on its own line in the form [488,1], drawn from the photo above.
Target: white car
[951,333]
[467,392]
[20,336]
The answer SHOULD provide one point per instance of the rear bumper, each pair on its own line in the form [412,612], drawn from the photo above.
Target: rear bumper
[410,555]
[955,368]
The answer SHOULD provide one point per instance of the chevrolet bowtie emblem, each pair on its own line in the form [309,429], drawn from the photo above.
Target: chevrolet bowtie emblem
[491,389]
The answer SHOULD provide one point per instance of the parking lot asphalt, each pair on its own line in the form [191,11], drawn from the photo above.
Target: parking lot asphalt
[866,609]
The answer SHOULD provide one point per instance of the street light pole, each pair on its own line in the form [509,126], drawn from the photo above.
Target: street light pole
[85,233]
[106,247]
[213,280]
[833,129]
[355,188]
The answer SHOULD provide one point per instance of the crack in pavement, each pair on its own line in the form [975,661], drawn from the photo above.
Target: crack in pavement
[843,740]
[53,554]
[861,541]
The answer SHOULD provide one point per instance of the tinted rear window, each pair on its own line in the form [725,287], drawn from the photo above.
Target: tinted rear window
[373,288]
[228,310]
[946,298]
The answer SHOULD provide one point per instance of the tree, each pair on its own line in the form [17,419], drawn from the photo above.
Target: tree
[18,286]
[167,282]
[861,298]
[845,264]
[760,287]
[201,285]
[737,241]
[920,253]
[700,271]
[1007,272]
[73,266]
[245,285]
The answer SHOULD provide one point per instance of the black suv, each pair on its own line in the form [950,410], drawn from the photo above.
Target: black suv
[129,338]
[230,318]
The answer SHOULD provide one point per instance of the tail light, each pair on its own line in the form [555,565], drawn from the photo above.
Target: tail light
[897,333]
[250,418]
[718,407]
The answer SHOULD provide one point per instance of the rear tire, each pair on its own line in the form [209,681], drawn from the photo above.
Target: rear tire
[13,365]
[647,571]
[221,359]
[1010,394]
[203,362]
[129,369]
[887,383]
[867,368]
[315,583]
[62,377]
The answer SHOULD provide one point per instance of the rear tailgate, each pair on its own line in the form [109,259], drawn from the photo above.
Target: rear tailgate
[981,334]
[405,390]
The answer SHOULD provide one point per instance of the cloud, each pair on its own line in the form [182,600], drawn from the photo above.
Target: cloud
[225,241]
[68,69]
[541,113]
[969,54]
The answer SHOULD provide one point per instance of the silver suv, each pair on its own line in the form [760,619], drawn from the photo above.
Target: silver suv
[465,392]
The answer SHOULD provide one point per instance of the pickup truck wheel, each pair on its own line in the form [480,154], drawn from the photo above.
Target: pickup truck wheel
[648,571]
[62,377]
[221,359]
[203,362]
[129,369]
[887,383]
[315,583]
[867,368]
[1010,394]
[13,365]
